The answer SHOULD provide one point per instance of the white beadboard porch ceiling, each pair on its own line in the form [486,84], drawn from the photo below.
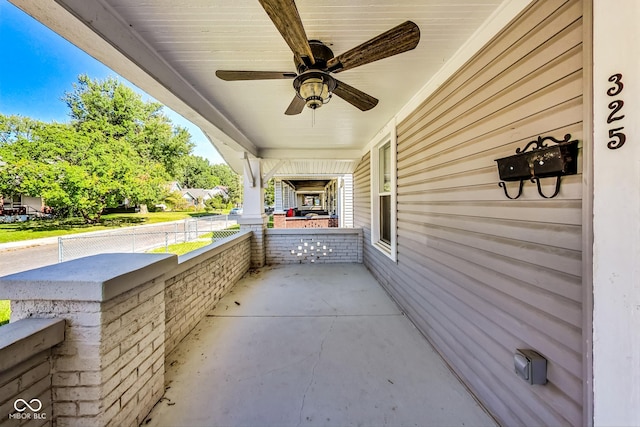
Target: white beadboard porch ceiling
[172,48]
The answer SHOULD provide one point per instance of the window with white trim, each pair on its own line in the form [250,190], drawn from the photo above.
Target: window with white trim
[383,196]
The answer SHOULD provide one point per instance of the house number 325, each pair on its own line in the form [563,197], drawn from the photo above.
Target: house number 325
[619,138]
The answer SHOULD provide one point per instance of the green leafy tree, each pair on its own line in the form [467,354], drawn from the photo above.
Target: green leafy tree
[117,147]
[198,173]
[230,180]
[74,170]
[216,203]
[115,110]
[175,201]
[269,193]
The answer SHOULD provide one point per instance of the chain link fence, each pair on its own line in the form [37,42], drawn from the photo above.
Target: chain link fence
[176,237]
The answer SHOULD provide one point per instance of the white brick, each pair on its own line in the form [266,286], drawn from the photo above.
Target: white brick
[90,378]
[111,356]
[151,291]
[113,340]
[65,379]
[75,393]
[111,383]
[133,339]
[89,408]
[117,307]
[83,334]
[125,358]
[117,392]
[9,390]
[75,364]
[65,409]
[158,365]
[112,411]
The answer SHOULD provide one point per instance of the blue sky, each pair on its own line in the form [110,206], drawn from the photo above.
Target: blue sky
[39,66]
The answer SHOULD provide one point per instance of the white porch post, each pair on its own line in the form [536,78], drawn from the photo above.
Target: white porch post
[278,197]
[253,217]
[616,213]
[279,220]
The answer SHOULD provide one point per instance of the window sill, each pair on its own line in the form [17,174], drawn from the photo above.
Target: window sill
[385,248]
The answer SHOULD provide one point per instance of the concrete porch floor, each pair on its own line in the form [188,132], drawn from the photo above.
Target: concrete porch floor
[310,345]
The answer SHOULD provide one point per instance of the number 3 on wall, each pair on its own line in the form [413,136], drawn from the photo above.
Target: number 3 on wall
[615,106]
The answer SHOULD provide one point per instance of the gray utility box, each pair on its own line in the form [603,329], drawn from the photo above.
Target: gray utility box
[530,366]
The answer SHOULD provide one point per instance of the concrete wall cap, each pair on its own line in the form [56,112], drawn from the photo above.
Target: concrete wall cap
[27,337]
[93,278]
[193,258]
[312,231]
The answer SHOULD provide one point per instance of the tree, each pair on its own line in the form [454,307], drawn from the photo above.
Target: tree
[269,193]
[216,203]
[198,173]
[230,180]
[115,110]
[117,147]
[74,170]
[175,201]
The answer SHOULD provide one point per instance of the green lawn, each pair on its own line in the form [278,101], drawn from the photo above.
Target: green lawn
[5,311]
[185,247]
[180,248]
[36,229]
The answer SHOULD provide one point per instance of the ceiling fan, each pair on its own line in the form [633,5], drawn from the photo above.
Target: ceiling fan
[315,61]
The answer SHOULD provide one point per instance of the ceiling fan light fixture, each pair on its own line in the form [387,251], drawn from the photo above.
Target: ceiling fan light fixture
[315,88]
[314,91]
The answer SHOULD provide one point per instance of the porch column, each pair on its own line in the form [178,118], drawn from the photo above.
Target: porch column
[278,213]
[109,370]
[285,197]
[616,213]
[277,196]
[253,217]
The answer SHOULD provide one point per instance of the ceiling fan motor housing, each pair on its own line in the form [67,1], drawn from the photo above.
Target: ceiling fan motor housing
[321,54]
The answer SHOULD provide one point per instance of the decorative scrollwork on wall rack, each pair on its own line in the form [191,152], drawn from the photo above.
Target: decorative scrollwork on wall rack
[540,143]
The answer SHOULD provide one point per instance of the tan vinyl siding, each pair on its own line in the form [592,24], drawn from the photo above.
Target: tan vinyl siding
[479,274]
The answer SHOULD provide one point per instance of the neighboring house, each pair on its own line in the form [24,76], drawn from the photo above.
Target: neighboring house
[19,202]
[220,190]
[174,186]
[198,196]
[479,274]
[193,196]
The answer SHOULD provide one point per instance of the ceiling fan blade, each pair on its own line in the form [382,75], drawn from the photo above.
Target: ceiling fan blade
[399,39]
[286,18]
[296,106]
[355,97]
[230,75]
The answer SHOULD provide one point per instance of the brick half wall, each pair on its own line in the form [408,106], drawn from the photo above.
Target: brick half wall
[118,311]
[201,279]
[315,245]
[25,371]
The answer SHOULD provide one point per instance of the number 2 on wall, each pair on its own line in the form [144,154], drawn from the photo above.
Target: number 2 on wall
[615,106]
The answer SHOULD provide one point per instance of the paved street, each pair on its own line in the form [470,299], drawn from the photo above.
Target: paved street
[34,254]
[26,258]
